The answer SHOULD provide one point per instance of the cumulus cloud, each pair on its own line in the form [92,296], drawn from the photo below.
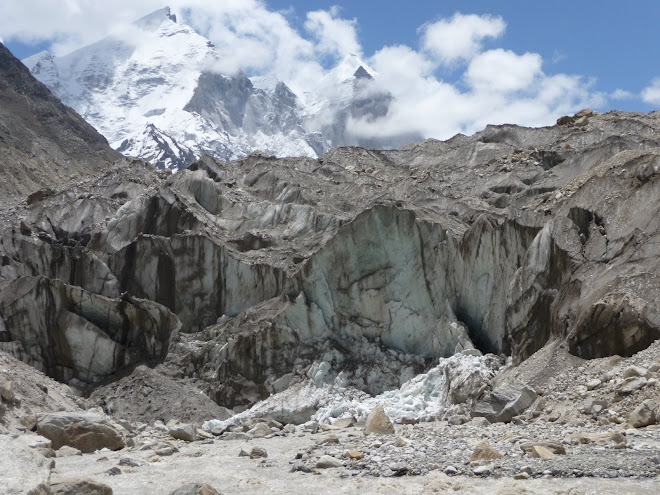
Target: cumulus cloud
[461,37]
[502,70]
[651,94]
[68,24]
[334,36]
[252,38]
[621,94]
[487,86]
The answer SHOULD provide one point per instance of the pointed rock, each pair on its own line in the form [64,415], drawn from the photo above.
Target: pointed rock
[378,422]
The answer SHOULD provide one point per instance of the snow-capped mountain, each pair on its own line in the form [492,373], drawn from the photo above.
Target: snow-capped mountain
[350,90]
[157,97]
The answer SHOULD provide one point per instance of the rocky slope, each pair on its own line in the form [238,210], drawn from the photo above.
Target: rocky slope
[42,142]
[159,95]
[506,278]
[500,242]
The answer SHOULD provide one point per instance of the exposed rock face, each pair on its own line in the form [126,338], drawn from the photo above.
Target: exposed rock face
[44,142]
[355,270]
[71,333]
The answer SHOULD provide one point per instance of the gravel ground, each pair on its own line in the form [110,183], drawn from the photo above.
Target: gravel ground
[427,449]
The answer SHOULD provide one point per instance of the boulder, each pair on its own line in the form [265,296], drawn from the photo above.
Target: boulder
[301,467]
[328,462]
[260,430]
[647,413]
[270,422]
[348,422]
[6,389]
[484,451]
[479,422]
[633,371]
[378,422]
[543,450]
[598,438]
[630,385]
[258,452]
[505,402]
[78,486]
[593,384]
[196,489]
[185,432]
[328,440]
[595,406]
[539,452]
[311,426]
[85,431]
[39,195]
[457,419]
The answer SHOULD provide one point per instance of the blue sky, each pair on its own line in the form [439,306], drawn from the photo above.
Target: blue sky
[617,43]
[521,61]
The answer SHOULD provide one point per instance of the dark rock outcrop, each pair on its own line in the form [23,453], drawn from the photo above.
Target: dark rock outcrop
[283,271]
[42,142]
[68,332]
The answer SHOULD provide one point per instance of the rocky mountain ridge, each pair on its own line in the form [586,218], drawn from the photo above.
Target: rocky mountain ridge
[159,95]
[490,241]
[42,141]
[500,287]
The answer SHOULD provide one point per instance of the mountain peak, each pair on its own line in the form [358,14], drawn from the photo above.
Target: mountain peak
[361,73]
[156,18]
[349,67]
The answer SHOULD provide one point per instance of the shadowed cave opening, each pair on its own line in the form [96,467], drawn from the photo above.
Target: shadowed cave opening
[475,331]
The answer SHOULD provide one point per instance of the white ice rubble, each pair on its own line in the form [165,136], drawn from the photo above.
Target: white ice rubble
[425,397]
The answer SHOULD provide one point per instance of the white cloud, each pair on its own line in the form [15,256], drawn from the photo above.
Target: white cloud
[248,36]
[502,70]
[461,37]
[503,87]
[621,94]
[68,24]
[487,87]
[651,94]
[335,36]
